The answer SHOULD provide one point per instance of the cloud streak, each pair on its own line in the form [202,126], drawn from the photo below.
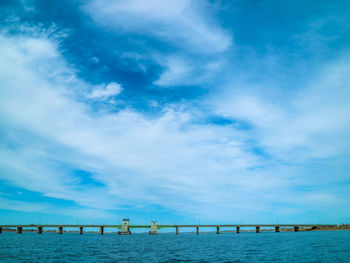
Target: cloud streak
[181,23]
[198,43]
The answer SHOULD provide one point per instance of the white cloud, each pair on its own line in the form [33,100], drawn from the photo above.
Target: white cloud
[178,22]
[313,122]
[21,205]
[27,5]
[184,70]
[111,89]
[168,161]
[188,26]
[176,71]
[25,206]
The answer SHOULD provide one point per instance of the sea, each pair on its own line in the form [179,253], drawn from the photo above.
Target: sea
[312,246]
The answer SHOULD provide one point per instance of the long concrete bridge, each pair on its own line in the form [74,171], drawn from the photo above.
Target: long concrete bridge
[125,227]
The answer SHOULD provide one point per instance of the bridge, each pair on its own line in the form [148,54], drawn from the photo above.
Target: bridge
[125,227]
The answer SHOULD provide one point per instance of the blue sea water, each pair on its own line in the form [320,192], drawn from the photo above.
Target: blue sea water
[318,246]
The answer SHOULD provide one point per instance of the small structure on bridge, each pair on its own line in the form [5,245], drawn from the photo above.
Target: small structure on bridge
[154,228]
[124,228]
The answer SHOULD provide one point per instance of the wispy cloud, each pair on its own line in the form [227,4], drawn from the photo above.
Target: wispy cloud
[249,146]
[313,122]
[168,159]
[180,23]
[197,41]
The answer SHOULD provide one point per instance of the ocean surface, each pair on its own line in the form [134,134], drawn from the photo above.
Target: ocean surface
[318,246]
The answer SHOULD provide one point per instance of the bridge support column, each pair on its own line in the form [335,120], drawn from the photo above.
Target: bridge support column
[0,229]
[296,228]
[154,228]
[124,229]
[80,230]
[60,230]
[258,229]
[238,229]
[39,230]
[101,230]
[197,230]
[177,230]
[19,230]
[217,230]
[277,229]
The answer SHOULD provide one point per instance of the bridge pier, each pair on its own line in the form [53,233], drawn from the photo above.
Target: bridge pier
[80,230]
[101,230]
[277,229]
[60,230]
[39,230]
[0,229]
[217,230]
[177,230]
[296,229]
[154,228]
[124,229]
[258,229]
[19,230]
[238,229]
[197,230]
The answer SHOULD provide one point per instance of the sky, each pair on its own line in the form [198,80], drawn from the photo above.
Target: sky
[179,111]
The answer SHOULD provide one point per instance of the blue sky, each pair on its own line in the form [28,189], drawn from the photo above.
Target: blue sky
[176,111]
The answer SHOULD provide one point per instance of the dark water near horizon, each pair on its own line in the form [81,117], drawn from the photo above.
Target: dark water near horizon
[318,246]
